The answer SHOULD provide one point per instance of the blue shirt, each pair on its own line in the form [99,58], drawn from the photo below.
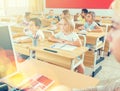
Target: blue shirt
[90,26]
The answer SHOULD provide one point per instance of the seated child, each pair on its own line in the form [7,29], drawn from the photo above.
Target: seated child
[90,24]
[33,31]
[82,16]
[68,36]
[26,19]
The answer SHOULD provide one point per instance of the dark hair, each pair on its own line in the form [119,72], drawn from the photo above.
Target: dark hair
[85,11]
[27,13]
[65,12]
[36,21]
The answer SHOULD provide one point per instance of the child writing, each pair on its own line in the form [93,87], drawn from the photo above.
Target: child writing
[68,36]
[90,24]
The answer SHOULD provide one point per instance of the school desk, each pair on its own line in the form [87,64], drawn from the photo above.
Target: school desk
[92,59]
[60,75]
[67,59]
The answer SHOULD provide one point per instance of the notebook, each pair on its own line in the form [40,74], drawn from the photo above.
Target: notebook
[63,46]
[9,72]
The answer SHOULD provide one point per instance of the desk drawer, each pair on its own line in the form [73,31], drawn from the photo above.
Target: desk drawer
[91,40]
[54,59]
[89,59]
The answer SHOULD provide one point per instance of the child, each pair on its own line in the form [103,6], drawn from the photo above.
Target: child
[67,36]
[65,13]
[76,16]
[26,19]
[82,16]
[51,14]
[52,17]
[34,32]
[90,24]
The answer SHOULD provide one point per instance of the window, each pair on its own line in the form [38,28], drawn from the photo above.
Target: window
[18,3]
[2,8]
[12,7]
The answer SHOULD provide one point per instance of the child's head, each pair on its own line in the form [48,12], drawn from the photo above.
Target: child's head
[67,24]
[90,16]
[27,15]
[51,12]
[65,13]
[35,24]
[84,12]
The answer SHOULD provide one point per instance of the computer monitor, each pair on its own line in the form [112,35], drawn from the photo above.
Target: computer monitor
[7,54]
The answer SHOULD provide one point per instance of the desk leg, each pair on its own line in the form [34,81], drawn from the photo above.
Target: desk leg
[32,54]
[97,67]
[96,71]
[74,64]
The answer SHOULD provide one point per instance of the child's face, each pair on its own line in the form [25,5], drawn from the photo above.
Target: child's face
[51,13]
[64,25]
[114,38]
[82,14]
[33,27]
[28,17]
[89,17]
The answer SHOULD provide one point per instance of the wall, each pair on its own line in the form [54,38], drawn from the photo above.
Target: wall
[91,4]
[99,12]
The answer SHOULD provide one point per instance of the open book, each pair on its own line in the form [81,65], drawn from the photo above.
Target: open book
[83,32]
[63,46]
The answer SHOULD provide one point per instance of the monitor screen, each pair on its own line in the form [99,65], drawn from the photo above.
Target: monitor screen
[7,57]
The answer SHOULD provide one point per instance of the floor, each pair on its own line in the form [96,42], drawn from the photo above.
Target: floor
[110,70]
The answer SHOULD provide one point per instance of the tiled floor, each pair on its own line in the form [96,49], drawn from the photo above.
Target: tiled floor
[110,71]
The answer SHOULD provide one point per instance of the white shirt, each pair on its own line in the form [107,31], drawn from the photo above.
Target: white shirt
[71,37]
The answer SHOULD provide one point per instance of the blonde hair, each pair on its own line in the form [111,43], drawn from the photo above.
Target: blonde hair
[70,22]
[116,7]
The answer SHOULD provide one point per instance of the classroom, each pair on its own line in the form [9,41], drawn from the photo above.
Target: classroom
[56,45]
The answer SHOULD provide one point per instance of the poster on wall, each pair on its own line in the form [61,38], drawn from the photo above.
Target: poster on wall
[91,4]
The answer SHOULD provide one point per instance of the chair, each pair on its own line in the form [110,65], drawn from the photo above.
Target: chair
[79,58]
[45,22]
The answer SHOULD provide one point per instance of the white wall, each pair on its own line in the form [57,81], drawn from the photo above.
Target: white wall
[98,12]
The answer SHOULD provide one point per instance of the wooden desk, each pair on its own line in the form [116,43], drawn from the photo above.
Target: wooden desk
[61,76]
[92,37]
[61,58]
[17,29]
[92,59]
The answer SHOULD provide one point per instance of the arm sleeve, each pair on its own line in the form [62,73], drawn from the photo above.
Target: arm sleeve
[40,34]
[75,37]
